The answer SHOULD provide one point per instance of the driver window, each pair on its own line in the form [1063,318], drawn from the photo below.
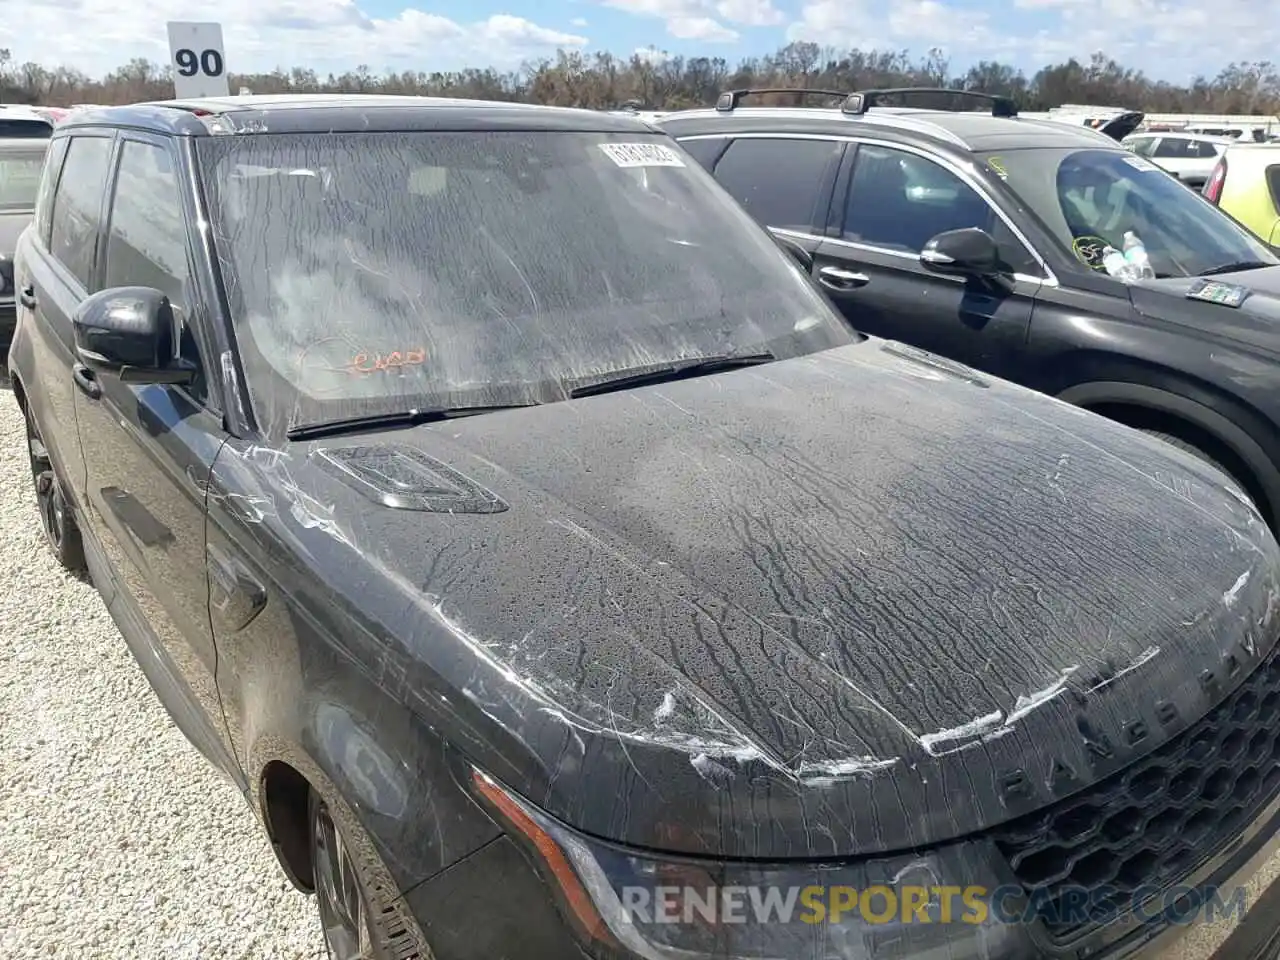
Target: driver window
[147,240]
[899,201]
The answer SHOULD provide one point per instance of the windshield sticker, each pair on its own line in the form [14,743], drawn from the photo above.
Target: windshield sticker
[372,363]
[1214,291]
[1146,166]
[997,166]
[1090,251]
[641,154]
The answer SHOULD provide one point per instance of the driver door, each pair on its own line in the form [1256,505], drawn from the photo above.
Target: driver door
[148,451]
[889,201]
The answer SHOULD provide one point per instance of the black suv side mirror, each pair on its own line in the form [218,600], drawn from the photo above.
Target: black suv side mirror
[129,331]
[962,253]
[798,253]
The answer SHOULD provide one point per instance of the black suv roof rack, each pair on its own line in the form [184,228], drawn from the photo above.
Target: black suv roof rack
[858,103]
[731,98]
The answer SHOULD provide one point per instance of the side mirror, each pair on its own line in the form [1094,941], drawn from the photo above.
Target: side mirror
[129,331]
[962,253]
[799,253]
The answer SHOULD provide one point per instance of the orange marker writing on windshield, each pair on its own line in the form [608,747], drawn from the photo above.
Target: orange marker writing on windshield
[366,363]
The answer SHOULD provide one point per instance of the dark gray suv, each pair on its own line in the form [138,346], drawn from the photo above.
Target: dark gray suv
[558,575]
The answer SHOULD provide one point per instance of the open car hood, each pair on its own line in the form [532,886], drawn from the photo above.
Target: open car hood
[1120,126]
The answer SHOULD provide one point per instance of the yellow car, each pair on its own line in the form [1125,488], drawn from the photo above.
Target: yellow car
[1246,184]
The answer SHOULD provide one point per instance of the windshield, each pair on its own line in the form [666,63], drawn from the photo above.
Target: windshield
[19,179]
[1089,199]
[381,272]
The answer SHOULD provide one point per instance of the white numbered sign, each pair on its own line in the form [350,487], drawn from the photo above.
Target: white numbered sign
[198,62]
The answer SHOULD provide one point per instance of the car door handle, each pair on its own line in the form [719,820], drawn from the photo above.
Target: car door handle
[838,278]
[86,380]
[27,297]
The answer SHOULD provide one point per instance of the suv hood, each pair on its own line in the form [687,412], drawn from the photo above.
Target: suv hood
[828,606]
[1256,322]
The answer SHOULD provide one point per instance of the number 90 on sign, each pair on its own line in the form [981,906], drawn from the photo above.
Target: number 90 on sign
[190,63]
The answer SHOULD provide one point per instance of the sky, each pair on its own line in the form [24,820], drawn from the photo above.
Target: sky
[1169,39]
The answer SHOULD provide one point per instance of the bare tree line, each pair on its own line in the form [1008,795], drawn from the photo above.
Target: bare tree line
[604,81]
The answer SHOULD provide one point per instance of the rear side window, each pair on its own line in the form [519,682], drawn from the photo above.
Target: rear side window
[779,182]
[48,181]
[77,205]
[1273,185]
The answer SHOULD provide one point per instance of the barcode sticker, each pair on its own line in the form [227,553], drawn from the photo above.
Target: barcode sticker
[641,154]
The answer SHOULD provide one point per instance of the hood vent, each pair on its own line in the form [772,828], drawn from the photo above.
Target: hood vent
[407,479]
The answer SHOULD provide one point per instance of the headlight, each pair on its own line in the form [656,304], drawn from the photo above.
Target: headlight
[932,906]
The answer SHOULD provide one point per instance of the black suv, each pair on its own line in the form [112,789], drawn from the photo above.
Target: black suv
[980,235]
[521,530]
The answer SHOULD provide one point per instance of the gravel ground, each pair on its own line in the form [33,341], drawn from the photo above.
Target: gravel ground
[117,839]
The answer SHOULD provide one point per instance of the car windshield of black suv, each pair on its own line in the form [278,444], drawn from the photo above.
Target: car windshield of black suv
[377,273]
[19,179]
[1090,199]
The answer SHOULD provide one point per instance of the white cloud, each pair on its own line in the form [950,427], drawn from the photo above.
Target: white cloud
[578,22]
[1166,38]
[701,28]
[98,35]
[751,13]
[711,21]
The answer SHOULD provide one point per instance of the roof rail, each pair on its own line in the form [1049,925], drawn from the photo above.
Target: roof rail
[731,98]
[858,103]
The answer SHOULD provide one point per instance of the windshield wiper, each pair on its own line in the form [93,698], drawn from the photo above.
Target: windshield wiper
[386,421]
[1233,267]
[678,370]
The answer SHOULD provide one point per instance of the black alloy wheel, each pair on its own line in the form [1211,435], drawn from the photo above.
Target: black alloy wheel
[55,516]
[344,908]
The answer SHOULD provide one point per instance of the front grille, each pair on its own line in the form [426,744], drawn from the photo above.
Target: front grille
[1153,823]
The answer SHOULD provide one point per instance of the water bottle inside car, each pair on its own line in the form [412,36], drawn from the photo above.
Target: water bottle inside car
[1136,254]
[1114,262]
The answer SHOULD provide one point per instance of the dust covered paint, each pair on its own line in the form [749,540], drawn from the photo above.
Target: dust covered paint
[820,607]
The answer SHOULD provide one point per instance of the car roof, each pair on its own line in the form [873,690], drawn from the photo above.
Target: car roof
[341,113]
[964,130]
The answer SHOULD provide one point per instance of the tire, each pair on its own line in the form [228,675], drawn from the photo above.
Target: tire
[1199,454]
[60,530]
[355,923]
